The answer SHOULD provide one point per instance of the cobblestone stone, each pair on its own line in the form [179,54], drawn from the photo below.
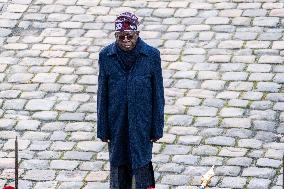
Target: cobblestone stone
[39,104]
[175,179]
[40,175]
[236,182]
[220,140]
[258,172]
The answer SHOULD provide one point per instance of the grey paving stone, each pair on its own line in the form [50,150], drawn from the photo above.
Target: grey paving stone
[241,21]
[265,21]
[34,164]
[261,105]
[234,76]
[217,20]
[259,183]
[204,150]
[174,109]
[25,184]
[45,115]
[20,77]
[79,126]
[213,84]
[184,75]
[232,67]
[5,32]
[274,154]
[33,135]
[266,59]
[275,97]
[80,136]
[228,95]
[39,145]
[265,136]
[59,146]
[90,146]
[9,93]
[186,83]
[200,93]
[72,176]
[219,58]
[243,35]
[40,175]
[251,95]
[177,130]
[48,155]
[67,106]
[28,125]
[235,182]
[238,103]
[7,123]
[211,132]
[53,126]
[240,161]
[202,111]
[268,87]
[8,134]
[240,133]
[180,120]
[171,168]
[63,164]
[58,135]
[259,172]
[231,44]
[39,104]
[231,112]
[228,170]
[96,185]
[6,163]
[71,117]
[212,160]
[194,140]
[206,122]
[168,138]
[70,185]
[265,162]
[279,78]
[265,115]
[176,149]
[220,140]
[175,179]
[217,103]
[49,184]
[250,143]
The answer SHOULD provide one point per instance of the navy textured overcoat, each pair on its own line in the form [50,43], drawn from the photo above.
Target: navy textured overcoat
[130,105]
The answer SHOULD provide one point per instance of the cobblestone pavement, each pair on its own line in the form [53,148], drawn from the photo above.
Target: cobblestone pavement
[223,76]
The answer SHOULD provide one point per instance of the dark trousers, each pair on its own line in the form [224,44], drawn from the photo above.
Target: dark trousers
[121,177]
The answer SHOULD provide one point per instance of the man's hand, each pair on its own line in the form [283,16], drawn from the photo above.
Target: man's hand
[154,139]
[106,140]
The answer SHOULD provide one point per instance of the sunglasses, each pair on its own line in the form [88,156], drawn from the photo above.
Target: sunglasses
[128,36]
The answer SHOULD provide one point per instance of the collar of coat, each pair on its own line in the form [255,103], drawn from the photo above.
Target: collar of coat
[142,48]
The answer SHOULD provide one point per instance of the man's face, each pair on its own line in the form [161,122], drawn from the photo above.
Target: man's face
[126,40]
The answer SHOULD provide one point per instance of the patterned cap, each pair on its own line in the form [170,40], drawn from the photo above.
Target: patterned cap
[126,22]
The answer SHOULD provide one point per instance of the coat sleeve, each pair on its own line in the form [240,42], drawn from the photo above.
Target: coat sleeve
[158,99]
[102,104]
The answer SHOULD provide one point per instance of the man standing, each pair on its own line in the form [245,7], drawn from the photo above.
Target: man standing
[130,104]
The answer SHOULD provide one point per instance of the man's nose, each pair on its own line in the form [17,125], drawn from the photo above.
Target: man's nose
[125,38]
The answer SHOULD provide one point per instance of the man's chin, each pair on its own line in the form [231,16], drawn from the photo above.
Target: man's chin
[127,48]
